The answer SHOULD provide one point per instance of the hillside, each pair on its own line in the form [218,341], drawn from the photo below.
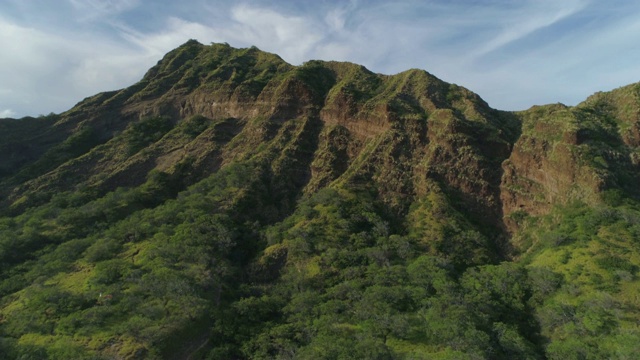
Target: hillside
[230,205]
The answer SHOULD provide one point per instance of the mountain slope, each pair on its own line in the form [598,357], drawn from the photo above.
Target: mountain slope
[230,205]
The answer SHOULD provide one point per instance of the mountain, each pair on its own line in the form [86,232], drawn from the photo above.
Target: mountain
[230,205]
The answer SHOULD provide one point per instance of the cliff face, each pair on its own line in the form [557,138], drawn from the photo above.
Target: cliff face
[566,154]
[395,131]
[341,123]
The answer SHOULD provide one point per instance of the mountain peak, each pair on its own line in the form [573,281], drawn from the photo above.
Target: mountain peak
[232,205]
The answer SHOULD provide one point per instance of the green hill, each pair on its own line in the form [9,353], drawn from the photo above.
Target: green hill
[230,206]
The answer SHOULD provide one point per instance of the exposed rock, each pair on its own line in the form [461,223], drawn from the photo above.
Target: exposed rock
[326,122]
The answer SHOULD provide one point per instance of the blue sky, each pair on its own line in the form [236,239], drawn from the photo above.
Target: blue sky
[513,53]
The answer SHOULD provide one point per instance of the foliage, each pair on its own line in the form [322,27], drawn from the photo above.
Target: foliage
[315,212]
[146,131]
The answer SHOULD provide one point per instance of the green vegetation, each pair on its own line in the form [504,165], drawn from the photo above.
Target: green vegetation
[586,261]
[145,132]
[232,206]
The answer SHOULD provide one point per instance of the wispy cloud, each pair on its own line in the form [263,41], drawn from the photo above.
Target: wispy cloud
[47,72]
[94,8]
[520,22]
[294,36]
[513,53]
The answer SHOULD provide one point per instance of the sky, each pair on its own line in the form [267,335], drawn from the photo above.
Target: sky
[513,53]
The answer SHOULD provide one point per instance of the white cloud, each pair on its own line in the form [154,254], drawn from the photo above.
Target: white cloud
[514,54]
[95,8]
[494,48]
[50,72]
[7,113]
[518,23]
[292,36]
[335,19]
[177,32]
[568,67]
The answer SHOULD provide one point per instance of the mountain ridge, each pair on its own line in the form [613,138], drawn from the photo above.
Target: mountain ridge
[236,183]
[343,95]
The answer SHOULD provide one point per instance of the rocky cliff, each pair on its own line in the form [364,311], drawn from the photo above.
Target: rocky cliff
[398,131]
[265,150]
